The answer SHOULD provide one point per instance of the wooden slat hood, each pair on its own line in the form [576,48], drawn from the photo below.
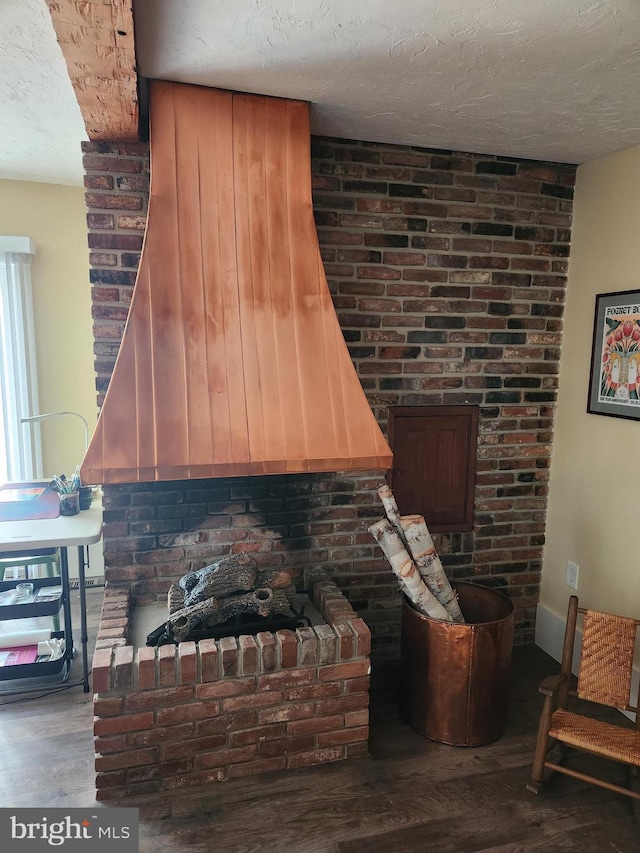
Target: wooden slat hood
[232,360]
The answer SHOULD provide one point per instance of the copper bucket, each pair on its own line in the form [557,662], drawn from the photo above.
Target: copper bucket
[454,678]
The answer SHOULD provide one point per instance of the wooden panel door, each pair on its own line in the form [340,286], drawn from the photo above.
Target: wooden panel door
[434,463]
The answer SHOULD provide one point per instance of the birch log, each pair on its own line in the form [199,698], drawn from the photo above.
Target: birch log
[425,557]
[391,508]
[406,571]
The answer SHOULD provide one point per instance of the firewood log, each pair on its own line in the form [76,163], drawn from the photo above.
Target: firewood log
[225,577]
[175,598]
[196,618]
[261,601]
[273,578]
[423,551]
[391,508]
[425,556]
[405,570]
[289,593]
[189,619]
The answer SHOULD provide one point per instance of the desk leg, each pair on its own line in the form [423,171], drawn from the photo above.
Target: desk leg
[83,618]
[68,631]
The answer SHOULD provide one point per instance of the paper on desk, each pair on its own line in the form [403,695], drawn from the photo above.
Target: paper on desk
[11,639]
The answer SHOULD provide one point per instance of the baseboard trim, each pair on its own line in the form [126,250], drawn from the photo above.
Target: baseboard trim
[92,580]
[550,637]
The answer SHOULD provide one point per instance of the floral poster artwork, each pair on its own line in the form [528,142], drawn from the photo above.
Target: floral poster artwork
[615,367]
[619,374]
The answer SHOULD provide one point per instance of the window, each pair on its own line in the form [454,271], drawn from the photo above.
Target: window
[20,454]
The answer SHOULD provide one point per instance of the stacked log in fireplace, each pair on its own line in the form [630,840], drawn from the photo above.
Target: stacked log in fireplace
[228,597]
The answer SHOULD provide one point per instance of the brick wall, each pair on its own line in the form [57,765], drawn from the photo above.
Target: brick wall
[117,182]
[448,273]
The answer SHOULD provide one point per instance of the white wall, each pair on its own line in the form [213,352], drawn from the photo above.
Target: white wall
[54,217]
[594,507]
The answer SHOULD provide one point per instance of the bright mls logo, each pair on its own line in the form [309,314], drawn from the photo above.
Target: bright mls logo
[36,830]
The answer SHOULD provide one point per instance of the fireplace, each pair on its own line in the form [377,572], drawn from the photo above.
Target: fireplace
[427,322]
[191,713]
[188,714]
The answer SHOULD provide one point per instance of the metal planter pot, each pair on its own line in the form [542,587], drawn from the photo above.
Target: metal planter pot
[454,682]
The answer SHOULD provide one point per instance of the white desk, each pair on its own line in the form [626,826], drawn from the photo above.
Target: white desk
[80,530]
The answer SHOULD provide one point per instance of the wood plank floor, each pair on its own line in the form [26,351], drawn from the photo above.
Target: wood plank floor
[409,795]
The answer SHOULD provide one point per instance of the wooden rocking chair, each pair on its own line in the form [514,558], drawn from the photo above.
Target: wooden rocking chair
[606,669]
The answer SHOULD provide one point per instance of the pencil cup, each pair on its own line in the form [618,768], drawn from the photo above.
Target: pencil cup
[85,497]
[69,503]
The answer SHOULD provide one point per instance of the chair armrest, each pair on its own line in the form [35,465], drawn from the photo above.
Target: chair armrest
[552,684]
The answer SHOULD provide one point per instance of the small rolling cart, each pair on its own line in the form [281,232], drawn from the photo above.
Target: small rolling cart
[50,596]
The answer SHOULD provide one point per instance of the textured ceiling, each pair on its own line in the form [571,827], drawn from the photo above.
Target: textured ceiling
[40,121]
[550,79]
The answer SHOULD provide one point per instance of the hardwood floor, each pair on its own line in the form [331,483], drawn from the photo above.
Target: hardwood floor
[409,795]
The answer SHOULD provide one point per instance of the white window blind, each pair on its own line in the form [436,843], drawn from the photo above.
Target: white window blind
[20,451]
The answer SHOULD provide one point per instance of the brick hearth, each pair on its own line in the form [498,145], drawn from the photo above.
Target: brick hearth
[180,715]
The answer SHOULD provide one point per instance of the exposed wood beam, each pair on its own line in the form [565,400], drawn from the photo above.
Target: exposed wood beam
[97,41]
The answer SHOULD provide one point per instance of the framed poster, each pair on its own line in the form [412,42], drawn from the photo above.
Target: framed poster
[614,383]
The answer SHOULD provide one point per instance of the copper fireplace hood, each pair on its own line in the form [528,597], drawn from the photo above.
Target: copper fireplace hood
[232,361]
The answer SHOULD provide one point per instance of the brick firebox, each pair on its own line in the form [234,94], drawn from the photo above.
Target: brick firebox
[188,714]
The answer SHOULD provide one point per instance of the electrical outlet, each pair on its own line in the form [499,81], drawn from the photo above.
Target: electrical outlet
[572,574]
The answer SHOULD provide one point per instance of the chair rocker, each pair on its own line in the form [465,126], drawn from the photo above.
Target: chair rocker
[605,675]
